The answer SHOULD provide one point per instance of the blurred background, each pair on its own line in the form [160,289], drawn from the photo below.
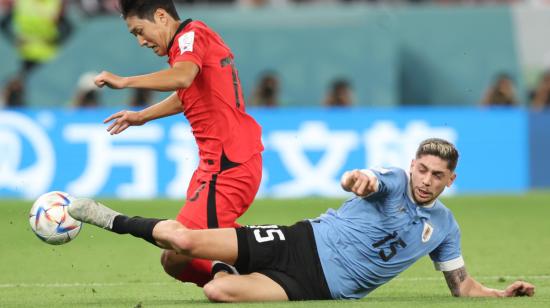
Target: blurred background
[336,85]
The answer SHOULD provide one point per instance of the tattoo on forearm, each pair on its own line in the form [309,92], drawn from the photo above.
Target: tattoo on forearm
[455,278]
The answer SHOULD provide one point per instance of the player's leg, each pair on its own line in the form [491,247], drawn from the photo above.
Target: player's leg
[174,263]
[195,214]
[244,288]
[213,244]
[192,215]
[213,201]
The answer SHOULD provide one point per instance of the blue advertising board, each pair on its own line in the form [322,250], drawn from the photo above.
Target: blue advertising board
[306,150]
[539,140]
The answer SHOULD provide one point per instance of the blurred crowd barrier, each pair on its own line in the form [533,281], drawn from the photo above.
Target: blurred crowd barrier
[306,150]
[391,55]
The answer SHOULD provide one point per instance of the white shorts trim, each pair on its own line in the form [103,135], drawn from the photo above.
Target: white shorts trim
[450,265]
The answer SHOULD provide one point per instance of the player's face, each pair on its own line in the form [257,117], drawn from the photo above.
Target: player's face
[151,34]
[429,177]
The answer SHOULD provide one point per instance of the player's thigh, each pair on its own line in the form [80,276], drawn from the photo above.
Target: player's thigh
[216,244]
[193,214]
[242,182]
[211,203]
[211,244]
[239,288]
[218,200]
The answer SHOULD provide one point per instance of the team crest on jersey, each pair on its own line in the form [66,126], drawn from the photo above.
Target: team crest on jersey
[427,232]
[186,42]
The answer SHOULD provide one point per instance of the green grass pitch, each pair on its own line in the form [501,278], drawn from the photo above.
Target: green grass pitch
[503,238]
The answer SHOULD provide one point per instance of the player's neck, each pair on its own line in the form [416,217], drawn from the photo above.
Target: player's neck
[174,27]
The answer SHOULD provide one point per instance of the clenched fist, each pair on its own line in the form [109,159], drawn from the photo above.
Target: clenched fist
[360,183]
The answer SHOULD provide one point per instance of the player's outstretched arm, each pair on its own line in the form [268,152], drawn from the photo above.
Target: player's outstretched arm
[361,183]
[461,284]
[126,118]
[180,76]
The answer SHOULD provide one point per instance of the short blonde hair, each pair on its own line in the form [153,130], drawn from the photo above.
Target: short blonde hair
[440,148]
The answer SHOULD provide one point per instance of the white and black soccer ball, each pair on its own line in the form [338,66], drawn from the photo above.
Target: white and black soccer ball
[50,220]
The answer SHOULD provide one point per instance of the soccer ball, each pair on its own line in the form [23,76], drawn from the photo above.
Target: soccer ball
[50,220]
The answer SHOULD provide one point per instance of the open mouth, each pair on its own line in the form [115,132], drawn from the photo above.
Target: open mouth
[423,193]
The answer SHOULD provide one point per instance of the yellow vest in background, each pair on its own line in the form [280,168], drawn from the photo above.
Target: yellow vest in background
[35,25]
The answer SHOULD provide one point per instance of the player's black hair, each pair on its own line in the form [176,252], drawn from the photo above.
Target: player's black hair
[145,9]
[440,148]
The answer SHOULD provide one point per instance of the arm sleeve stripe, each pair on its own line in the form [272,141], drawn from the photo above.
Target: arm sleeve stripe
[450,265]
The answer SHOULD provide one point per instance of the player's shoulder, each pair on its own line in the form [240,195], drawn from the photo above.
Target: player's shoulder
[388,170]
[185,39]
[196,26]
[391,180]
[191,28]
[395,173]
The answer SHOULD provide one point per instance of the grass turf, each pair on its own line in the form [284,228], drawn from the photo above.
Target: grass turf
[503,238]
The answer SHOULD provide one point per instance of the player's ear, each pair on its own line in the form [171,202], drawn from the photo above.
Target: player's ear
[451,179]
[160,16]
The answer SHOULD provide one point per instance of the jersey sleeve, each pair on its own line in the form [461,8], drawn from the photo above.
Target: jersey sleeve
[448,256]
[391,181]
[191,46]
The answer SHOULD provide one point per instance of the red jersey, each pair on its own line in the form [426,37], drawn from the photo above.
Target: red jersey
[214,104]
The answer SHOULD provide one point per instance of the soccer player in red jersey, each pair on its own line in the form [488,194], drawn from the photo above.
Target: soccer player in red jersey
[208,92]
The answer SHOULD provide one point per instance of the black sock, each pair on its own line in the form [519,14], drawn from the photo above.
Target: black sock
[136,226]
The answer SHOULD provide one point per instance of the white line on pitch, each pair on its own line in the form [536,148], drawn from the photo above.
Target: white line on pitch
[538,277]
[118,284]
[79,284]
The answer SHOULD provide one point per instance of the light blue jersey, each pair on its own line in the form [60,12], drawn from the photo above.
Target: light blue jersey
[368,241]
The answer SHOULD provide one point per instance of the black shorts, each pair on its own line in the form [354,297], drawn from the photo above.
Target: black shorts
[287,255]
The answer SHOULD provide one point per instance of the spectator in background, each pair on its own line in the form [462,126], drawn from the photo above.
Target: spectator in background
[93,8]
[4,4]
[14,93]
[263,3]
[141,98]
[266,92]
[540,96]
[339,94]
[36,28]
[87,94]
[501,92]
[201,2]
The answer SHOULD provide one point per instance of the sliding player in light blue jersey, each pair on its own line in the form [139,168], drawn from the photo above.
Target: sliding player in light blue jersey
[394,220]
[388,226]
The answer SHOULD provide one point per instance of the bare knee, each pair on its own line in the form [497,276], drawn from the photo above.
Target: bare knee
[173,235]
[173,263]
[183,241]
[166,259]
[217,291]
[164,229]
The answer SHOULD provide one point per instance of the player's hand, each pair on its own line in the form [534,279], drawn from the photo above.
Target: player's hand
[122,120]
[111,80]
[519,288]
[359,183]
